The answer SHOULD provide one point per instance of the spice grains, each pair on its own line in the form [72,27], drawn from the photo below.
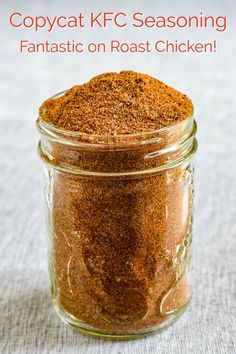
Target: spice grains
[118,103]
[120,223]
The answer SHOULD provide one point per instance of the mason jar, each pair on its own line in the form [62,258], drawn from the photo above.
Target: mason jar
[119,215]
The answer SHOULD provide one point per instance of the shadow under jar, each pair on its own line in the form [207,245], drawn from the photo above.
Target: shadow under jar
[119,211]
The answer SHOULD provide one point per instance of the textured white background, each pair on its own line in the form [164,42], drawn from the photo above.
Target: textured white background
[28,322]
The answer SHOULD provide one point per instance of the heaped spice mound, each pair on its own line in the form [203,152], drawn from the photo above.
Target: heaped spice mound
[118,103]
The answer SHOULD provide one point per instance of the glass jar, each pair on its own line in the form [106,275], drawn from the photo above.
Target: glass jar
[119,211]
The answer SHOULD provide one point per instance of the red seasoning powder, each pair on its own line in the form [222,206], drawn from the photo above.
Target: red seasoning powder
[119,242]
[122,103]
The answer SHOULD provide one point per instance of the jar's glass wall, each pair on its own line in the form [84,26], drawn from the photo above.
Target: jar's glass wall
[119,213]
[120,249]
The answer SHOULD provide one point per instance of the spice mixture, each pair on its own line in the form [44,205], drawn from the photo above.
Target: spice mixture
[120,243]
[122,103]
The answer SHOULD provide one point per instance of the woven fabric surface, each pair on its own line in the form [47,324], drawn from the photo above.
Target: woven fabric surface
[28,323]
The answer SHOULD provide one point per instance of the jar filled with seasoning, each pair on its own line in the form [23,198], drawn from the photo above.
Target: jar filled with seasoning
[119,193]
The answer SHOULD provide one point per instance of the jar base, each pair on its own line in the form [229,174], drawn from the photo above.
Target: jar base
[85,329]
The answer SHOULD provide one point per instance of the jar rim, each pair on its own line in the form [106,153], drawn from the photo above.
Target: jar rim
[174,144]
